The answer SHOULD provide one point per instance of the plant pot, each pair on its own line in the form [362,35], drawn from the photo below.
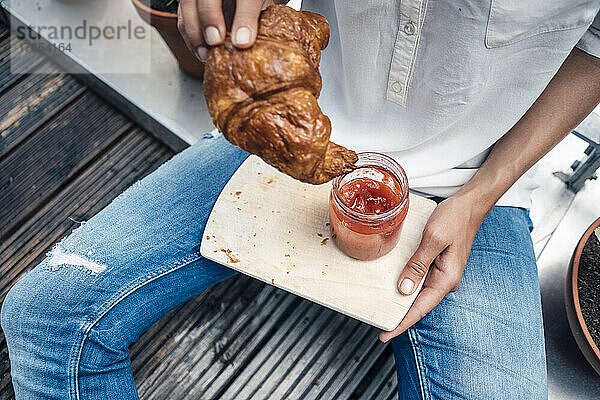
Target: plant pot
[166,24]
[574,314]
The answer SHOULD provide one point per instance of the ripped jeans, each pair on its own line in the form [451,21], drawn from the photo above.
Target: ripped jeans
[70,321]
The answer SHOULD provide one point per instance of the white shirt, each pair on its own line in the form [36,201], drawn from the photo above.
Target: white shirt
[435,84]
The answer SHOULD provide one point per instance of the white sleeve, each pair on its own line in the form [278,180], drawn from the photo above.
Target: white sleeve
[590,41]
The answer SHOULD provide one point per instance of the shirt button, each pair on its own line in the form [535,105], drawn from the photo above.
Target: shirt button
[396,87]
[409,28]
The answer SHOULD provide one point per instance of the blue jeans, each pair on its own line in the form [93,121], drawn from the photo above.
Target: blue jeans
[70,321]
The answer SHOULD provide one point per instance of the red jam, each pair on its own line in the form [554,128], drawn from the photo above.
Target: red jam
[368,206]
[375,191]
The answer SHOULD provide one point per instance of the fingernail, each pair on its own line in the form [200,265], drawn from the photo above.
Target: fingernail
[406,287]
[202,53]
[242,36]
[212,36]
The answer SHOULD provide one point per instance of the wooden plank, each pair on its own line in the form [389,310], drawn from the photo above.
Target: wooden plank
[277,345]
[94,189]
[101,171]
[281,228]
[191,333]
[289,375]
[29,105]
[342,385]
[346,345]
[244,340]
[383,388]
[204,365]
[277,351]
[68,142]
[199,340]
[160,339]
[16,59]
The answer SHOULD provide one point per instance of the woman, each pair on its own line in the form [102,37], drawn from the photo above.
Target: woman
[466,95]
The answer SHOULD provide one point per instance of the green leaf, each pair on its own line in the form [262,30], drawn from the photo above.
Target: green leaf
[597,232]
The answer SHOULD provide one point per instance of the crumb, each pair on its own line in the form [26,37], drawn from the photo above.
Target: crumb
[254,216]
[272,281]
[289,231]
[287,272]
[270,180]
[213,236]
[286,255]
[324,241]
[239,209]
[319,234]
[238,193]
[287,242]
[230,255]
[214,251]
[322,272]
[207,237]
[259,173]
[327,265]
[459,9]
[254,235]
[327,224]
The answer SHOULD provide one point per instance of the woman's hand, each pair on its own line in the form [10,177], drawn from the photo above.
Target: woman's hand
[202,24]
[443,251]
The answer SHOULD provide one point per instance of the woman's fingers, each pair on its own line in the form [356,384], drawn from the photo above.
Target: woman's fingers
[245,23]
[211,18]
[201,24]
[438,284]
[200,51]
[188,22]
[425,302]
[432,244]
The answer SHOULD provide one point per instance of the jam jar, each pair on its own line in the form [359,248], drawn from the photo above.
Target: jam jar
[368,206]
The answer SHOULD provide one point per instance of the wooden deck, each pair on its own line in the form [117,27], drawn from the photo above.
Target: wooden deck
[64,155]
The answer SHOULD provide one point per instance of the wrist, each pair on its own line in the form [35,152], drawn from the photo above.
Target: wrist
[476,198]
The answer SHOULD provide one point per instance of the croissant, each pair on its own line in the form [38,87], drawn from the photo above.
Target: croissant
[264,99]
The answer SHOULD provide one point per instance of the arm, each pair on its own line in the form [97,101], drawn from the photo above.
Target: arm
[569,97]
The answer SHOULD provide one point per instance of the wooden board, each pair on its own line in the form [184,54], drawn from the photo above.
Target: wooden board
[276,229]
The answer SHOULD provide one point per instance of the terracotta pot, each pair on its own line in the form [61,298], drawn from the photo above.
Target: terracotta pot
[166,24]
[578,327]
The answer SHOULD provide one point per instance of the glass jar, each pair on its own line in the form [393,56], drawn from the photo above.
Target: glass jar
[368,206]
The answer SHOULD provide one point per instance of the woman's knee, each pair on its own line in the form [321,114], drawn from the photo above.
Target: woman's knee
[41,314]
[12,309]
[42,318]
[36,355]
[19,313]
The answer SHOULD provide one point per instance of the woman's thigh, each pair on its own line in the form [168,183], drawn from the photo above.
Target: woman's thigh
[75,314]
[486,340]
